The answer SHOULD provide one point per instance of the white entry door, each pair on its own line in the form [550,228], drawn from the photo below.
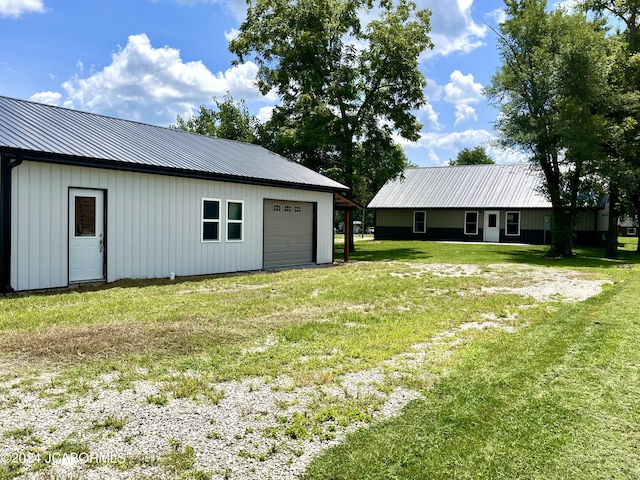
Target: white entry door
[86,235]
[492,226]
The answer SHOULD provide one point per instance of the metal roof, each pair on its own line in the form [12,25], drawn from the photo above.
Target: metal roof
[58,134]
[464,186]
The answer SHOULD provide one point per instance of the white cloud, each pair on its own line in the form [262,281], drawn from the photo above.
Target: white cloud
[16,8]
[265,113]
[452,27]
[440,147]
[569,5]
[498,16]
[433,91]
[463,89]
[465,113]
[154,84]
[506,155]
[49,98]
[232,35]
[429,117]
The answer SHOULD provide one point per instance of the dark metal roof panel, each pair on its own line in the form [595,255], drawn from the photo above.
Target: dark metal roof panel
[46,129]
[465,186]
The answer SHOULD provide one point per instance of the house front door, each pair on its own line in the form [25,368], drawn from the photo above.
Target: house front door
[491,226]
[86,235]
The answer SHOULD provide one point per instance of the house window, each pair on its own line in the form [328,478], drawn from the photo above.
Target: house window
[419,222]
[513,223]
[210,220]
[235,220]
[471,223]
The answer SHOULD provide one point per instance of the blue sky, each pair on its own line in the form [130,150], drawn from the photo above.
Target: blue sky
[150,60]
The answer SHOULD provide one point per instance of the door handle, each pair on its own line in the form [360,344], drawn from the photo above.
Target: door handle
[101,242]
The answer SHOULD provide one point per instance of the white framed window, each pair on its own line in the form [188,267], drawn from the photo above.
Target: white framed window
[210,220]
[419,222]
[470,223]
[513,224]
[235,220]
[631,231]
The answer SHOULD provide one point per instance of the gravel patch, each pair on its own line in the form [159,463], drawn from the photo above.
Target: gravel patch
[543,284]
[243,436]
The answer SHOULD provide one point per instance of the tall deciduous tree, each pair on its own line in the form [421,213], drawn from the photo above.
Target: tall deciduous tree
[348,88]
[623,113]
[468,156]
[552,76]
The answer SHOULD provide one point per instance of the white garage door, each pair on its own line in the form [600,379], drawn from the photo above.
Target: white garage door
[289,232]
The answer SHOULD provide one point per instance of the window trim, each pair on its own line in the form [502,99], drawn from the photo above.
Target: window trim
[424,221]
[506,223]
[477,214]
[209,220]
[235,222]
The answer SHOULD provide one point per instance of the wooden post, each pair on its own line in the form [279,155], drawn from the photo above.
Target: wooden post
[347,234]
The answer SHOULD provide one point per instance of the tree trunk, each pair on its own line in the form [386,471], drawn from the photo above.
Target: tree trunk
[635,201]
[352,243]
[561,233]
[612,232]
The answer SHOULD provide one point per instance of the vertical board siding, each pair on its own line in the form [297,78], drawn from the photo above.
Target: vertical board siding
[153,224]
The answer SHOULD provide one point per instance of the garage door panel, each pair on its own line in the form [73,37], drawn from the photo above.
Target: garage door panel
[288,233]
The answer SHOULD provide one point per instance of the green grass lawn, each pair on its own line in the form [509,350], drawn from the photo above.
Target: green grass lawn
[556,399]
[559,399]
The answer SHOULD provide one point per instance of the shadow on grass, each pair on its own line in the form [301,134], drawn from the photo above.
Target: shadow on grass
[431,251]
[400,254]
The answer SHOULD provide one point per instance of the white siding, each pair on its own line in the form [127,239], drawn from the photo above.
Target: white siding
[153,224]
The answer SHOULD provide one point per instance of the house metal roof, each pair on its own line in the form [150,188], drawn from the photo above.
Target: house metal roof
[60,135]
[464,186]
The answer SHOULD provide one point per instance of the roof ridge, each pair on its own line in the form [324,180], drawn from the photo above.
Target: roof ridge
[75,111]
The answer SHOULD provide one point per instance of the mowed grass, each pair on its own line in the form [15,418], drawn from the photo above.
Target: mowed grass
[557,399]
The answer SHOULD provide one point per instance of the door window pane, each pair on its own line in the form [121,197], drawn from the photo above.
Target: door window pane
[85,221]
[419,224]
[493,220]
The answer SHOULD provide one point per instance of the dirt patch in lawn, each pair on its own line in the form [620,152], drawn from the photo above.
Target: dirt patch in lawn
[70,345]
[540,283]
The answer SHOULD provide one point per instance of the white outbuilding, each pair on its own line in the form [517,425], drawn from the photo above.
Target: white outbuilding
[89,198]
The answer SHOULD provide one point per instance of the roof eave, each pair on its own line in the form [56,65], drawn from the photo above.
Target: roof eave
[78,161]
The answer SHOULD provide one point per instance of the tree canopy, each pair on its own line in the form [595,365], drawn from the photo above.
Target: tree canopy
[231,120]
[475,156]
[622,168]
[550,87]
[347,87]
